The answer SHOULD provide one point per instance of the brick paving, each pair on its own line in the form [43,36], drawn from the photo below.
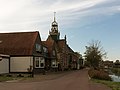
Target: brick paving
[76,80]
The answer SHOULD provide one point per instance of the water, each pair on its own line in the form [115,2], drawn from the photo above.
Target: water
[115,78]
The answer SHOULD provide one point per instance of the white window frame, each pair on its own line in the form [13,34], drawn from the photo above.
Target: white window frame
[54,63]
[40,60]
[37,59]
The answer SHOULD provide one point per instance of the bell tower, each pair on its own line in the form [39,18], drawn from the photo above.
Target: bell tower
[54,29]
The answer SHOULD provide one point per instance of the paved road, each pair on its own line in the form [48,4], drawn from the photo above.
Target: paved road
[77,80]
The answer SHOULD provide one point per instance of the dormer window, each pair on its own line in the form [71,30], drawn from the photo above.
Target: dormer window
[45,49]
[38,47]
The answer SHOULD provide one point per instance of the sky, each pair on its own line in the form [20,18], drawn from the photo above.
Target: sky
[80,20]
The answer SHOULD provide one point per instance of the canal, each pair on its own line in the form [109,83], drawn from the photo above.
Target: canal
[115,78]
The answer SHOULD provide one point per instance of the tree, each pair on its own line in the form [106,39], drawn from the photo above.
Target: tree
[94,53]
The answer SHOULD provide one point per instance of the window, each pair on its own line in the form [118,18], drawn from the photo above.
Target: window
[39,62]
[38,47]
[54,63]
[42,64]
[45,49]
[53,52]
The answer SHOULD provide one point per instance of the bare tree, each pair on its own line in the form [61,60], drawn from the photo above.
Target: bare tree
[94,53]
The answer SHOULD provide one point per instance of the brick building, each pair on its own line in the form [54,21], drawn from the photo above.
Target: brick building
[65,58]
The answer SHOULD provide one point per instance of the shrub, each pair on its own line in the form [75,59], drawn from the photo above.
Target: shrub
[8,75]
[20,75]
[99,74]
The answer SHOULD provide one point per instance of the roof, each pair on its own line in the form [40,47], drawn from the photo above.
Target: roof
[60,44]
[19,43]
[49,45]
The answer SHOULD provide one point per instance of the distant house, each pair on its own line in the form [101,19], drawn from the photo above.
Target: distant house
[106,64]
[117,64]
[25,51]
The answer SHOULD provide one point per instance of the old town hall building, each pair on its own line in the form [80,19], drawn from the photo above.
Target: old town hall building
[62,56]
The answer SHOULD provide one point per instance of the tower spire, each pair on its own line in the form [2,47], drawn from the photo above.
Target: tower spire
[54,15]
[54,29]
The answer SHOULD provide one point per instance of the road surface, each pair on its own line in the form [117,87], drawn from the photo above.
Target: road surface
[77,80]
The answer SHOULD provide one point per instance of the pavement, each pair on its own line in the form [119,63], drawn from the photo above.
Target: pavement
[76,80]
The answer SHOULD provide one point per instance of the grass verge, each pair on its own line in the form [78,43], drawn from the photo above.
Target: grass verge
[111,84]
[4,78]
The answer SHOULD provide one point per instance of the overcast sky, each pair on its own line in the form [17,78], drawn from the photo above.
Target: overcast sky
[81,20]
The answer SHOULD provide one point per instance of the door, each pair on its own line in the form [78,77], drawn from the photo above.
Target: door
[4,65]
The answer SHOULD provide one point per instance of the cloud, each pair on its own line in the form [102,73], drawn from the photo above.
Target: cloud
[24,10]
[97,12]
[26,15]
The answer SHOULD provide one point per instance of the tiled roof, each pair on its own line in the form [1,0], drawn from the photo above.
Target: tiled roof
[60,44]
[49,45]
[20,43]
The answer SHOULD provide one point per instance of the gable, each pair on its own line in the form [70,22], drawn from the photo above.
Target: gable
[50,46]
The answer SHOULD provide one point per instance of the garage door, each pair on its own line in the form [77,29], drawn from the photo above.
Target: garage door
[4,65]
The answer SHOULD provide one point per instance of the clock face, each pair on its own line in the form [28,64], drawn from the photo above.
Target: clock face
[54,29]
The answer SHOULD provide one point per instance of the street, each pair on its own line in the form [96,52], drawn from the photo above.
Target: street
[77,80]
